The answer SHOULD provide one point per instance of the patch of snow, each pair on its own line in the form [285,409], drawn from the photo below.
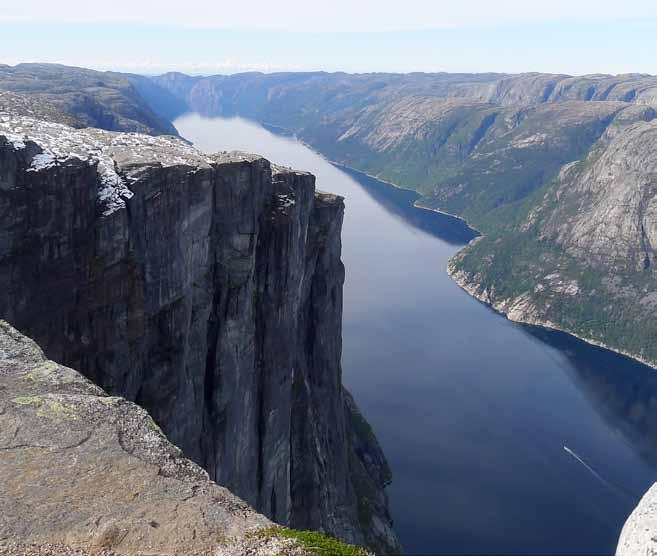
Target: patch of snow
[16,141]
[42,161]
[60,143]
[285,201]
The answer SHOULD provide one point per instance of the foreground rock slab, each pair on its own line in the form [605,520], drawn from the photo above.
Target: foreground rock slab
[91,471]
[639,534]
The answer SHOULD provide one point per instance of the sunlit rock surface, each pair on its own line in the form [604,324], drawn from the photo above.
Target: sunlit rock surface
[92,471]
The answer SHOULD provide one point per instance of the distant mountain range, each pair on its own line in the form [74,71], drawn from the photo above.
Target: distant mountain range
[89,98]
[557,172]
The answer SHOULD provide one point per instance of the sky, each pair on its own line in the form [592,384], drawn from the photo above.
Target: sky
[213,36]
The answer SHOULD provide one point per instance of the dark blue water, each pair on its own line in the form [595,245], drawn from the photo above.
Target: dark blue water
[474,412]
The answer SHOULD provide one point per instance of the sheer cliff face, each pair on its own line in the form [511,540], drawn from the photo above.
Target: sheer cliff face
[208,289]
[608,211]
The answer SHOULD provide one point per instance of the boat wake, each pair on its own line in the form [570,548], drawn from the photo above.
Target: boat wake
[618,490]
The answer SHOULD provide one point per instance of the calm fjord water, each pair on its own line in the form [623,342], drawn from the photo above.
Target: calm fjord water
[503,439]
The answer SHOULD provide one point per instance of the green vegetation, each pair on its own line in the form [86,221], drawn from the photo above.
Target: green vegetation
[471,160]
[497,168]
[617,312]
[34,401]
[314,542]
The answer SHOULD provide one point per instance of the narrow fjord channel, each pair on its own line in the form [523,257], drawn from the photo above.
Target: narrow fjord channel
[502,438]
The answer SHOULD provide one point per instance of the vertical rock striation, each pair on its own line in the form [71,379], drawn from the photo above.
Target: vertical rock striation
[208,289]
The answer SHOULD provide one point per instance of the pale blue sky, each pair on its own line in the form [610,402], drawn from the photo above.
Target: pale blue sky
[203,37]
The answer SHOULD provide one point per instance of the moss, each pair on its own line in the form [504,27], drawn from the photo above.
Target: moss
[47,367]
[34,401]
[152,425]
[44,369]
[48,408]
[57,410]
[314,542]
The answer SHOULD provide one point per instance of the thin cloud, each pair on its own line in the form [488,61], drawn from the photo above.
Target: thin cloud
[338,15]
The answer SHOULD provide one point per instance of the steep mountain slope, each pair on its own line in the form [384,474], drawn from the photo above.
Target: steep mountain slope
[469,143]
[579,254]
[90,98]
[208,289]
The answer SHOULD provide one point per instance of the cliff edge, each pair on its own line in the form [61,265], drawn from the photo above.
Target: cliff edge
[85,473]
[208,290]
[88,470]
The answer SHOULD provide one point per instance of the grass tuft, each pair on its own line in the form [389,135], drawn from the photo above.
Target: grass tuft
[315,543]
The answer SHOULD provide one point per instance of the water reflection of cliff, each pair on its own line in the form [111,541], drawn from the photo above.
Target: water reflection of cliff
[621,389]
[399,203]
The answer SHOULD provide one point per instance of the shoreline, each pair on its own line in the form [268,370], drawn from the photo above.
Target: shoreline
[466,286]
[287,133]
[415,204]
[444,213]
[499,307]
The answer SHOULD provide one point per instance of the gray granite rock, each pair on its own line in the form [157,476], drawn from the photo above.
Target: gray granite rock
[608,204]
[206,288]
[639,534]
[89,471]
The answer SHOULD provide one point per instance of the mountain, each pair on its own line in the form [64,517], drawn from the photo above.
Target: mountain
[554,170]
[578,254]
[89,98]
[558,173]
[208,290]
